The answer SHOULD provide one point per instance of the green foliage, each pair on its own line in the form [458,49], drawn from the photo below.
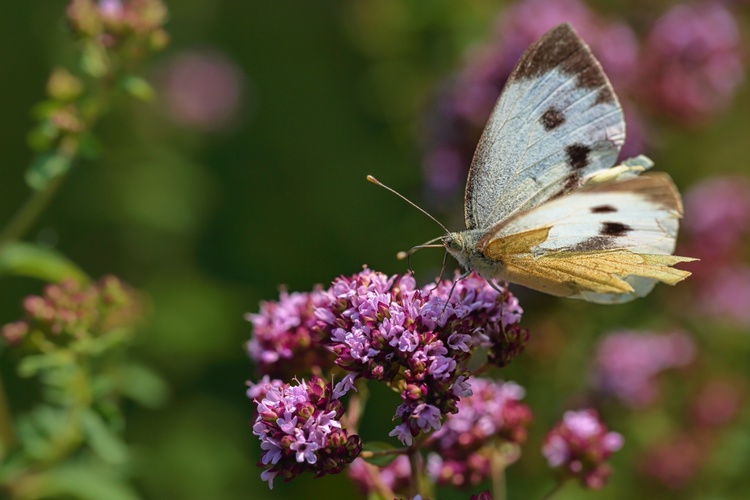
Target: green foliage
[34,261]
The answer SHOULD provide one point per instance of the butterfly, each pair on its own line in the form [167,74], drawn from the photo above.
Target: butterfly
[545,207]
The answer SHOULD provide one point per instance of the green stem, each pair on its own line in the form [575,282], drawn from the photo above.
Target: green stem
[7,434]
[555,489]
[416,474]
[498,475]
[383,453]
[29,212]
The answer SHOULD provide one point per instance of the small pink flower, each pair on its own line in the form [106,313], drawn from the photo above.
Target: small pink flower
[202,89]
[627,363]
[580,445]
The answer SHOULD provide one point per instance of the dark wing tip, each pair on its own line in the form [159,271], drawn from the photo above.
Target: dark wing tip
[562,48]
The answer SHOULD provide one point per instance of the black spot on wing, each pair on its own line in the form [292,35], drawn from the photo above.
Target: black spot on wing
[614,229]
[603,209]
[572,181]
[552,118]
[562,48]
[578,155]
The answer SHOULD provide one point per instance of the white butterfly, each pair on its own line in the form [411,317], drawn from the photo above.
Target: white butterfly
[544,206]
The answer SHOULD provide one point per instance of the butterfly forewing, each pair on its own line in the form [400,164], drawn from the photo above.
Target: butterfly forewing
[556,122]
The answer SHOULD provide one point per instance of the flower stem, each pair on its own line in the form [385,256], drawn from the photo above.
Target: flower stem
[29,212]
[7,434]
[497,472]
[415,485]
[382,453]
[555,489]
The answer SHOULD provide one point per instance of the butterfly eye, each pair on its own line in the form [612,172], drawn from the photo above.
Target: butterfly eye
[454,243]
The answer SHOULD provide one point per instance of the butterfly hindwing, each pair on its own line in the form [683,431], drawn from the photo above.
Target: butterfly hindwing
[556,122]
[607,242]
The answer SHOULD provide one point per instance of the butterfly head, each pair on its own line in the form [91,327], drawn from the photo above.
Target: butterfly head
[454,243]
[463,247]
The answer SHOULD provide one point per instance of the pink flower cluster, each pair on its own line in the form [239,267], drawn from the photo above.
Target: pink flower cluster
[579,446]
[387,329]
[110,19]
[71,311]
[627,363]
[285,342]
[419,340]
[460,453]
[462,449]
[300,430]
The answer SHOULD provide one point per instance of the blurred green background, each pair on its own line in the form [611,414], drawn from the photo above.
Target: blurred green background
[209,216]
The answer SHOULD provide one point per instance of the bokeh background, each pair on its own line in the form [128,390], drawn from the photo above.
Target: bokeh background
[248,172]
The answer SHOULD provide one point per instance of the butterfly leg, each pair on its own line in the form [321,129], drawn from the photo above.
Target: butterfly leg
[464,275]
[496,287]
[442,271]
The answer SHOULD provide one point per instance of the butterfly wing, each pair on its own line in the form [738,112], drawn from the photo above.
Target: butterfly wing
[556,122]
[606,242]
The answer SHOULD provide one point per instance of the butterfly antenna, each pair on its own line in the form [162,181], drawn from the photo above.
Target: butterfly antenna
[378,183]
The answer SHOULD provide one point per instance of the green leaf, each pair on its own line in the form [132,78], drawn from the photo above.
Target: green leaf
[31,365]
[82,482]
[102,440]
[89,147]
[144,386]
[42,137]
[48,432]
[33,261]
[380,446]
[137,87]
[94,60]
[45,167]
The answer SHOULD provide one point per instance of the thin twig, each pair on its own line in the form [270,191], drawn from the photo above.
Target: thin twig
[29,212]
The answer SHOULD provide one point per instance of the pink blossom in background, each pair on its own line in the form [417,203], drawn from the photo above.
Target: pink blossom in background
[692,61]
[111,9]
[395,476]
[717,218]
[202,89]
[675,463]
[725,295]
[717,404]
[613,43]
[580,445]
[628,362]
